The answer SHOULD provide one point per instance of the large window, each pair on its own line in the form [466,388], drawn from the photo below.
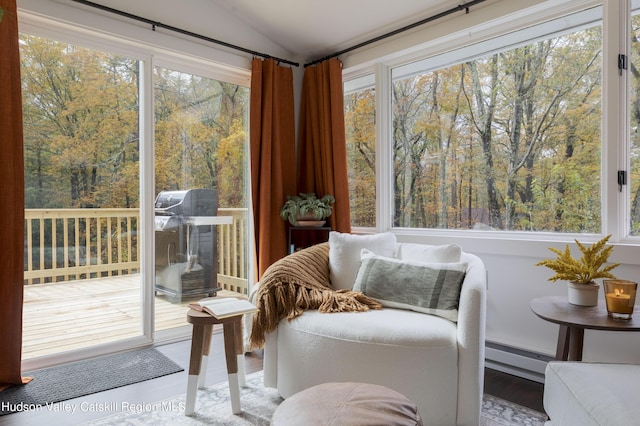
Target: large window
[501,135]
[508,140]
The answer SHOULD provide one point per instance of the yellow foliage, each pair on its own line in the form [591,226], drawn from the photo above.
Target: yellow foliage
[584,270]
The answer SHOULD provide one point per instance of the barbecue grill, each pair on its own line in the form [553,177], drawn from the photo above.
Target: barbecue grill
[186,253]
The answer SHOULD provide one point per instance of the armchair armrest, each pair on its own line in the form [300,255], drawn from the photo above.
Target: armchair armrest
[471,340]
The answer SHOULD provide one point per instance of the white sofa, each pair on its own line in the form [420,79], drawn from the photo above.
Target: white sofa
[589,394]
[437,363]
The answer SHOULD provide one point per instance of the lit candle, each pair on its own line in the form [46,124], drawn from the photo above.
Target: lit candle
[619,302]
[620,296]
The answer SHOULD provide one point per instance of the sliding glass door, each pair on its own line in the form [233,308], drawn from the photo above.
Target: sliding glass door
[82,253]
[90,263]
[200,188]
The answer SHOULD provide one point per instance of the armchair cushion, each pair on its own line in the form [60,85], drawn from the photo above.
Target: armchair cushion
[344,254]
[430,254]
[430,288]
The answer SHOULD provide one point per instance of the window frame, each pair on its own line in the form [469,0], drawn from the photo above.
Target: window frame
[615,126]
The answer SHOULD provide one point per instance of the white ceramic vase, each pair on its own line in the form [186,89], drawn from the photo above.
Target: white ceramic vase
[583,294]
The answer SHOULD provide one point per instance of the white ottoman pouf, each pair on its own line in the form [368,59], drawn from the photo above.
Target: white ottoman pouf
[583,394]
[347,404]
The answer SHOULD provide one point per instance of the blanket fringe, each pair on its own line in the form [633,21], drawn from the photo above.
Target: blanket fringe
[297,283]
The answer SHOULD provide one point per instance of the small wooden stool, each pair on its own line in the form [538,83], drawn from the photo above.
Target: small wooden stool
[200,344]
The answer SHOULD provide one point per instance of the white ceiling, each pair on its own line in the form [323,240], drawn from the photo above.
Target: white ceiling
[302,30]
[313,29]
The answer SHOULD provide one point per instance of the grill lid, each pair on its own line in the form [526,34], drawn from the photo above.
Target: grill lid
[190,202]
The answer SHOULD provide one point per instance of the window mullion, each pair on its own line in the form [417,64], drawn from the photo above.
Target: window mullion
[615,117]
[384,149]
[147,179]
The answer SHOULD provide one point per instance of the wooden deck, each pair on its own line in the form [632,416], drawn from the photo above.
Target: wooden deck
[70,315]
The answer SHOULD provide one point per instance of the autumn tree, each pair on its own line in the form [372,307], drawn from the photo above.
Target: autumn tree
[503,141]
[200,135]
[360,118]
[81,133]
[483,102]
[81,128]
[409,145]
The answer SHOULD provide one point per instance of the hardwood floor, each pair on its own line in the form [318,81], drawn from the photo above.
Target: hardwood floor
[511,388]
[515,389]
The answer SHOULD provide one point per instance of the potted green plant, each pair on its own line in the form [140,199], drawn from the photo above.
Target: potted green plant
[307,208]
[581,274]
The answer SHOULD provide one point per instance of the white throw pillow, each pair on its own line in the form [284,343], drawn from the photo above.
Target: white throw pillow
[430,288]
[344,254]
[447,253]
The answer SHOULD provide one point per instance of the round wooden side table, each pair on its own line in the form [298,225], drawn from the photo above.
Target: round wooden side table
[574,320]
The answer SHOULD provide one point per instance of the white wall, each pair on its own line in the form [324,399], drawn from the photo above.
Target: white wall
[514,280]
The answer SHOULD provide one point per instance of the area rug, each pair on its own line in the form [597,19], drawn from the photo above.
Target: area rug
[213,407]
[60,383]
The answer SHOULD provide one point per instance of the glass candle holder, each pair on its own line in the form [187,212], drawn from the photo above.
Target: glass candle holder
[621,297]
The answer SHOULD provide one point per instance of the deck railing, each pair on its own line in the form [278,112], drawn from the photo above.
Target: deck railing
[71,244]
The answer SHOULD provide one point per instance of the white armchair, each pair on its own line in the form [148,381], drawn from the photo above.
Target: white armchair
[437,363]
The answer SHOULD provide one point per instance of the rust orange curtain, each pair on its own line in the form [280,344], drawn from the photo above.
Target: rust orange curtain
[272,140]
[12,178]
[322,152]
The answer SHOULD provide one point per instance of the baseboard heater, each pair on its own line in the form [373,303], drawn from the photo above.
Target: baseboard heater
[518,362]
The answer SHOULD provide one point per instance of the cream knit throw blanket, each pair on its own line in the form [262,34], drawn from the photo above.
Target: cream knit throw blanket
[298,282]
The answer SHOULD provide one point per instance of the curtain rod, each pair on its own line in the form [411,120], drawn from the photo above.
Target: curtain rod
[464,6]
[155,25]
